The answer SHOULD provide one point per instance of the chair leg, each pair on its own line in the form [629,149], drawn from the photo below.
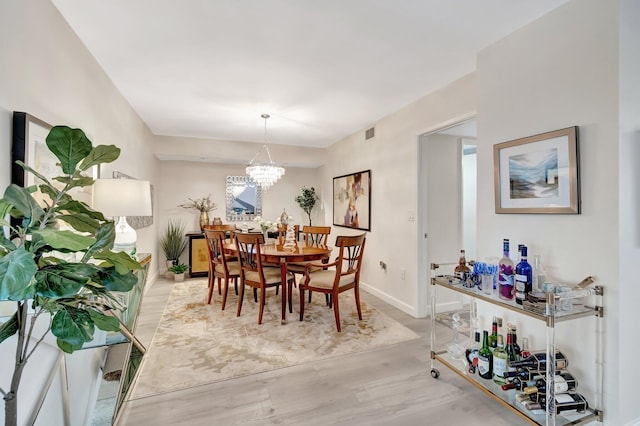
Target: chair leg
[235,284]
[262,297]
[226,290]
[301,287]
[357,291]
[290,295]
[336,312]
[240,297]
[327,299]
[219,286]
[210,293]
[255,295]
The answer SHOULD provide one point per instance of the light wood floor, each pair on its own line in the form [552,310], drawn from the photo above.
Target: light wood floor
[387,386]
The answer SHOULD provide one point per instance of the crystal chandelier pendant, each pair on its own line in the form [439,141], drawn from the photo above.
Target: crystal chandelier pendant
[264,174]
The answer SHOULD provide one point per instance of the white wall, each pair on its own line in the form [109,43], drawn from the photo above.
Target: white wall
[560,71]
[47,72]
[393,159]
[629,196]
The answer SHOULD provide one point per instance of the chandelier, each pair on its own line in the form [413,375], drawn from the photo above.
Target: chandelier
[264,174]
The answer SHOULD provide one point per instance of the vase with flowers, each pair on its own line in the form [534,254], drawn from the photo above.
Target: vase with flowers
[204,205]
[265,226]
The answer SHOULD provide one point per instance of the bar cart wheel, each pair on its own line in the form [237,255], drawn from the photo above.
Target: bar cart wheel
[435,373]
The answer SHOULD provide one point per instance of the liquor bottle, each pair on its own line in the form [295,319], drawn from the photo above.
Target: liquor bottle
[472,354]
[485,358]
[462,271]
[538,361]
[564,402]
[493,338]
[539,275]
[499,362]
[505,273]
[563,382]
[523,277]
[519,383]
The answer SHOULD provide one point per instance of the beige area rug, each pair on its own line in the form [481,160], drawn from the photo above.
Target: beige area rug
[196,343]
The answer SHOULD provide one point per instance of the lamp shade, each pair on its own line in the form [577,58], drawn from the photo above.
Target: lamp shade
[122,197]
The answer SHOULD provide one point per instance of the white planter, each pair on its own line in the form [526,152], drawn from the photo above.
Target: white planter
[178,277]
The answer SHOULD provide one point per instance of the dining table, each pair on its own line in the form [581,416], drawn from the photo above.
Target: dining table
[274,252]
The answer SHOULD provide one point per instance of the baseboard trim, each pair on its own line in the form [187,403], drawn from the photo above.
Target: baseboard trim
[404,307]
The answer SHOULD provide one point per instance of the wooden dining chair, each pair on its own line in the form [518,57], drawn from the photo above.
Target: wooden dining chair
[252,271]
[221,266]
[343,275]
[313,235]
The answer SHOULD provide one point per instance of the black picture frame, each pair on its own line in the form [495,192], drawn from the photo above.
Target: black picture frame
[352,200]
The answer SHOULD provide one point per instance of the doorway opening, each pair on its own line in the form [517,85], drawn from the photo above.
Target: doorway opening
[447,203]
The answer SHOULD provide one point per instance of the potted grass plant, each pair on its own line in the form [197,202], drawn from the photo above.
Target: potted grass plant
[178,271]
[61,276]
[173,242]
[307,200]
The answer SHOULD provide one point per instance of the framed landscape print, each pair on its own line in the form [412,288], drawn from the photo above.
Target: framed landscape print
[538,174]
[352,200]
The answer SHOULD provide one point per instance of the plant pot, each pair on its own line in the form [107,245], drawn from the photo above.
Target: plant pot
[178,277]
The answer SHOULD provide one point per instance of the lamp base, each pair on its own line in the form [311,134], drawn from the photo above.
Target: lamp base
[126,237]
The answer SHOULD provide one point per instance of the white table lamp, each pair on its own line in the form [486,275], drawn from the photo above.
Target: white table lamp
[123,197]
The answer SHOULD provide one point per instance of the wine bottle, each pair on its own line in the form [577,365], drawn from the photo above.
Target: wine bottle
[462,271]
[511,352]
[524,353]
[538,361]
[493,338]
[505,273]
[499,362]
[472,354]
[564,402]
[523,277]
[516,346]
[485,358]
[563,382]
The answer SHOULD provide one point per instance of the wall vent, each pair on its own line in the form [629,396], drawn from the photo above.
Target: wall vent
[370,133]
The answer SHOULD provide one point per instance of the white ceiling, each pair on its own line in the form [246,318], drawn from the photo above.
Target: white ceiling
[323,69]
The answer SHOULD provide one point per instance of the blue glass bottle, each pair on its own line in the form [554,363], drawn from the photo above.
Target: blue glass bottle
[523,277]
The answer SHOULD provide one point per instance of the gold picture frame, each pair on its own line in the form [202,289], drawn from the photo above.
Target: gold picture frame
[538,174]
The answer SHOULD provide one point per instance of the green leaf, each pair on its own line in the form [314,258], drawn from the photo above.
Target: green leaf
[9,328]
[74,182]
[49,190]
[113,281]
[74,327]
[65,239]
[32,171]
[17,270]
[5,208]
[64,280]
[23,202]
[104,322]
[100,154]
[70,146]
[105,237]
[121,260]
[67,347]
[80,222]
[79,207]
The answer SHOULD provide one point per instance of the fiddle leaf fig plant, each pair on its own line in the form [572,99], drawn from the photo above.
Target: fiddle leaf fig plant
[55,258]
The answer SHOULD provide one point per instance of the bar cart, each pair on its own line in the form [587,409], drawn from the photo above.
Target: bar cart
[549,313]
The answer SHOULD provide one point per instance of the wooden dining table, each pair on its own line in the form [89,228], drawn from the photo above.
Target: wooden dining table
[274,252]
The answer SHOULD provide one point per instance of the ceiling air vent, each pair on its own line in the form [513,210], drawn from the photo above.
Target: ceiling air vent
[370,133]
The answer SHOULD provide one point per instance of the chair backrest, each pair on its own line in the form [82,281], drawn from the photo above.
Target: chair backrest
[229,230]
[249,252]
[349,258]
[316,235]
[215,239]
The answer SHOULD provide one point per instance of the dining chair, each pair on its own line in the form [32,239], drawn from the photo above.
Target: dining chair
[313,235]
[221,266]
[229,230]
[343,275]
[252,271]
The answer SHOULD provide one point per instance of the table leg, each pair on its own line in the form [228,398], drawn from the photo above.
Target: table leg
[283,288]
